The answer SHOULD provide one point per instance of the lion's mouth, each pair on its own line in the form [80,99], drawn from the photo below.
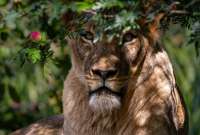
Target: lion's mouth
[105,99]
[104,91]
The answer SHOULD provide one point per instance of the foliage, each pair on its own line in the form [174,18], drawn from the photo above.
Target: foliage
[34,57]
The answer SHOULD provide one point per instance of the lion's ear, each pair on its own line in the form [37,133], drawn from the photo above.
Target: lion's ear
[154,10]
[154,27]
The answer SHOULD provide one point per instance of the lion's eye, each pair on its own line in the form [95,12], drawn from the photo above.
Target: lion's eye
[87,35]
[129,37]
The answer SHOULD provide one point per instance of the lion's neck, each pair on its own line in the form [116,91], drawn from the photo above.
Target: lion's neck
[79,118]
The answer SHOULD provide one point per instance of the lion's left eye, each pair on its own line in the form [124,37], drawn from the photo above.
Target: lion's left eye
[129,37]
[87,35]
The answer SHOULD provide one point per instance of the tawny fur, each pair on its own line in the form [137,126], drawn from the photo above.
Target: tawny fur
[152,104]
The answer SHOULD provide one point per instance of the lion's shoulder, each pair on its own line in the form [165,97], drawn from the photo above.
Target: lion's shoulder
[48,126]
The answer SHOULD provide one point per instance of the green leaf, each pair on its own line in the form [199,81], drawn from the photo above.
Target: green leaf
[81,6]
[105,4]
[34,55]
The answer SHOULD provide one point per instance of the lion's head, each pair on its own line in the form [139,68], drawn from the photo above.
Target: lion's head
[102,63]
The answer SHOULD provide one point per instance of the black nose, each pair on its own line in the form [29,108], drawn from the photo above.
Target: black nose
[104,74]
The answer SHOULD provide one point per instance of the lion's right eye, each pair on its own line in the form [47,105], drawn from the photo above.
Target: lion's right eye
[129,37]
[87,35]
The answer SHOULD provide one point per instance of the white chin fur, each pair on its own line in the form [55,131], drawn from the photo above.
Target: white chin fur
[104,103]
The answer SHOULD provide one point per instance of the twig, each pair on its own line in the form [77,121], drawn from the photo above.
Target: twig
[191,3]
[180,12]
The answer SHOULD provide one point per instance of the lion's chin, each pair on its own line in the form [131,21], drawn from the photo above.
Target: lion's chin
[104,102]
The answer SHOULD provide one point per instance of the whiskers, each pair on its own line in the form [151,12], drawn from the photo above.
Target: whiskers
[115,83]
[125,78]
[89,77]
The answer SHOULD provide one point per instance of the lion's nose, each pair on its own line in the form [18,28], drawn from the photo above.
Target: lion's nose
[104,74]
[105,67]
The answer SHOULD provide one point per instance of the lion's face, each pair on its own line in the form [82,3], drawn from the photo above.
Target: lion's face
[104,65]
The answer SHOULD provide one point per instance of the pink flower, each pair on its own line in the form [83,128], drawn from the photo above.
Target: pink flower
[35,36]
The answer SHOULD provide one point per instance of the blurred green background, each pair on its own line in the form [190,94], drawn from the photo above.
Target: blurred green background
[29,92]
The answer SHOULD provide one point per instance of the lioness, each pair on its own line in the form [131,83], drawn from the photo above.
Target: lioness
[113,89]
